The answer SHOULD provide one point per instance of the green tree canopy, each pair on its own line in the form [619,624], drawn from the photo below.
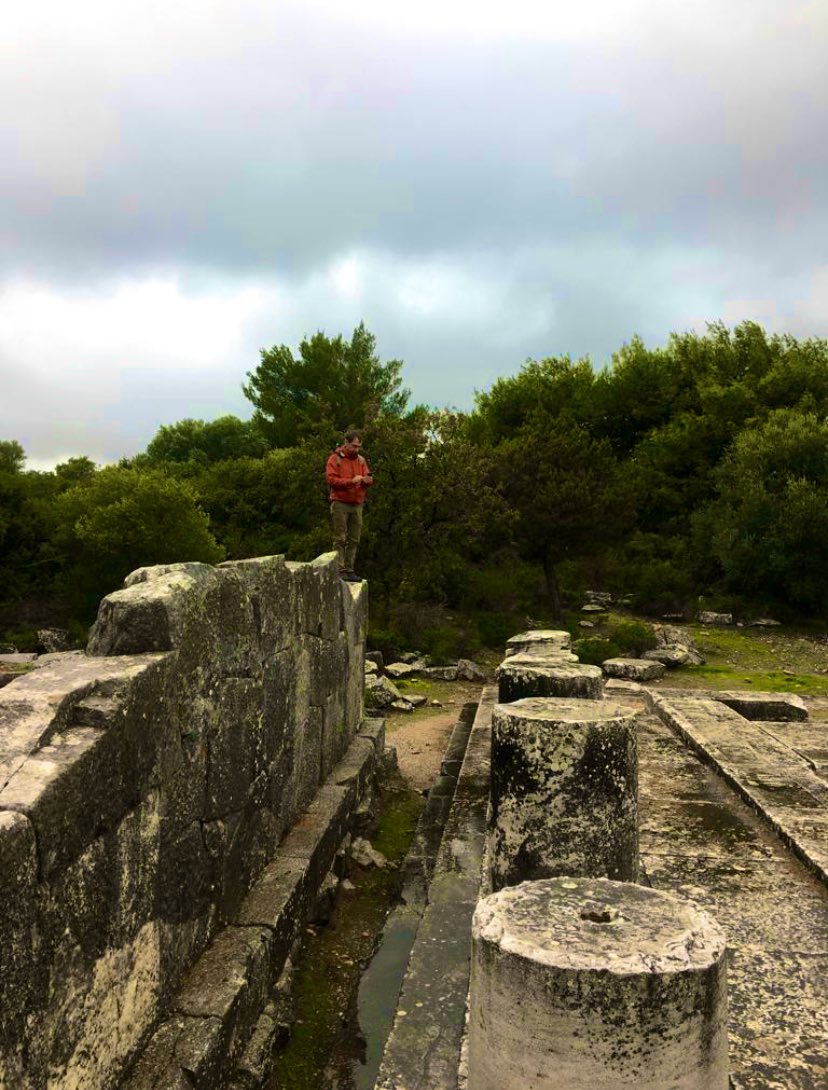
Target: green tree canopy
[332,385]
[124,518]
[203,442]
[12,456]
[769,526]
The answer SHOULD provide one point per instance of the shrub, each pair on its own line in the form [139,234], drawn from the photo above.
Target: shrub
[595,649]
[632,637]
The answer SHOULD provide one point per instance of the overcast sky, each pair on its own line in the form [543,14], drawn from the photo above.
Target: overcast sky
[183,184]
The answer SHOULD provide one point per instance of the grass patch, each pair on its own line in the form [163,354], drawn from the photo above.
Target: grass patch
[772,681]
[324,1042]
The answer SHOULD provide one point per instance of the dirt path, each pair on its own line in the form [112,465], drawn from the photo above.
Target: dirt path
[420,744]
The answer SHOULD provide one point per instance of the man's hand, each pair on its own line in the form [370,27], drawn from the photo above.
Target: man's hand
[357,480]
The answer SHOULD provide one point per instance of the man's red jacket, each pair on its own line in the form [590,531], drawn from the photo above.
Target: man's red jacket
[341,468]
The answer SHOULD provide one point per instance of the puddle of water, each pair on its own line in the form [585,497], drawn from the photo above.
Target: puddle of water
[377,1001]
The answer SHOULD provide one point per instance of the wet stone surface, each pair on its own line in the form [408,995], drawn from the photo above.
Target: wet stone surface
[698,839]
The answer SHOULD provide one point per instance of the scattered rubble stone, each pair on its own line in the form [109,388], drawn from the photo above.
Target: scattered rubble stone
[586,624]
[764,622]
[469,671]
[416,700]
[380,692]
[668,656]
[375,657]
[707,617]
[409,657]
[364,854]
[54,639]
[590,608]
[399,669]
[633,669]
[402,705]
[674,637]
[371,667]
[441,673]
[599,598]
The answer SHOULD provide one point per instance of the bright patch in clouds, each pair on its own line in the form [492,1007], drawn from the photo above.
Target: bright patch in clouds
[154,323]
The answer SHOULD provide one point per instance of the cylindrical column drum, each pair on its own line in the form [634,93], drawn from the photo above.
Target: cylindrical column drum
[587,984]
[539,639]
[564,791]
[528,674]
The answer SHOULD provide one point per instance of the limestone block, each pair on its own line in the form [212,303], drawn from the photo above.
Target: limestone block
[184,1052]
[18,933]
[336,735]
[204,613]
[526,675]
[668,656]
[272,592]
[708,617]
[399,669]
[467,670]
[633,669]
[578,984]
[280,697]
[546,639]
[564,794]
[373,729]
[441,673]
[239,748]
[231,982]
[307,759]
[380,692]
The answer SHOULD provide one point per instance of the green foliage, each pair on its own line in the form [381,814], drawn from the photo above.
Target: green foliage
[769,526]
[12,456]
[333,385]
[632,637]
[125,518]
[697,468]
[203,443]
[594,650]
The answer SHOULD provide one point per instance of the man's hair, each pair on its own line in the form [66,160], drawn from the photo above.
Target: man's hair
[352,434]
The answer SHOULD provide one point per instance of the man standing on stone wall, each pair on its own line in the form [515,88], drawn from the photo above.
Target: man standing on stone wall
[349,479]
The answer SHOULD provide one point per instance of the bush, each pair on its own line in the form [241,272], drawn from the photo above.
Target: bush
[595,649]
[632,637]
[494,629]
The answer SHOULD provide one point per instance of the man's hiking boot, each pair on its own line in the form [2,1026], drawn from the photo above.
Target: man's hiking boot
[350,576]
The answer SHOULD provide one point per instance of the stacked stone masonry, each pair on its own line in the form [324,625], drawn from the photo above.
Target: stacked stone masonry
[144,788]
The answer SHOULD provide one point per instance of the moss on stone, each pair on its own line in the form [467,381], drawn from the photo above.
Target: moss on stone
[325,1038]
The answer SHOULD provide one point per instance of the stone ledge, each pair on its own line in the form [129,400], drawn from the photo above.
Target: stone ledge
[223,996]
[796,808]
[423,1049]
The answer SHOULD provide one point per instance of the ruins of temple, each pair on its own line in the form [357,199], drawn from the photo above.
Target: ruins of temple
[611,885]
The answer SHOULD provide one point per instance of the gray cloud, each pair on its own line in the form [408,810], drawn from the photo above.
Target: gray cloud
[551,185]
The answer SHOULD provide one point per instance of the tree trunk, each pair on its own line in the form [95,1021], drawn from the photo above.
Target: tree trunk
[552,589]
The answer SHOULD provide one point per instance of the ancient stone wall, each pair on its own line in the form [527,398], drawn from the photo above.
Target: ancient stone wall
[143,787]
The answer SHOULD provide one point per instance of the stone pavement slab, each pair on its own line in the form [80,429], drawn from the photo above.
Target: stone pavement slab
[760,762]
[700,840]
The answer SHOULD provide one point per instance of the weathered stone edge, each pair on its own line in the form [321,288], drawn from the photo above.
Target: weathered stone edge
[223,997]
[672,717]
[423,1048]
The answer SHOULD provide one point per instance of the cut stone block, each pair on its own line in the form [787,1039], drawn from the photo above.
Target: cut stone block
[633,669]
[527,675]
[547,639]
[584,983]
[399,669]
